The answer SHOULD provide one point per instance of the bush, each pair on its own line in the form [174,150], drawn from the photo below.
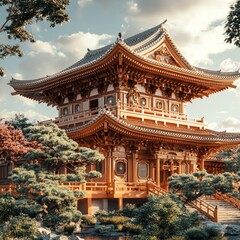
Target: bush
[115,220]
[22,227]
[129,210]
[105,228]
[213,232]
[89,220]
[68,229]
[196,234]
[131,228]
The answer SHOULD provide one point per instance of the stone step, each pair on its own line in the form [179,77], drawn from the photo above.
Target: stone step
[226,212]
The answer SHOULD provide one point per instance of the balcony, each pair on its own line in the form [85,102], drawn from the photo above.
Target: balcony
[153,116]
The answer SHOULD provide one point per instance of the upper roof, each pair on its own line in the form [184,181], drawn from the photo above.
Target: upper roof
[142,47]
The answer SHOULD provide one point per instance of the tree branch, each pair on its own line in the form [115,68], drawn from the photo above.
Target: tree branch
[8,17]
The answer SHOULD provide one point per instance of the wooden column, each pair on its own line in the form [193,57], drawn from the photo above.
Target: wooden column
[180,167]
[157,156]
[134,166]
[109,166]
[120,203]
[89,205]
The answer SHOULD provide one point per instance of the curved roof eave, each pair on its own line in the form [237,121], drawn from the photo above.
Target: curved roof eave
[229,78]
[213,137]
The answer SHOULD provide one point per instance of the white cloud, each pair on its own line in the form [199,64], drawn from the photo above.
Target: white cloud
[229,124]
[47,58]
[18,76]
[77,43]
[30,114]
[83,3]
[222,112]
[42,47]
[228,65]
[133,7]
[196,26]
[25,101]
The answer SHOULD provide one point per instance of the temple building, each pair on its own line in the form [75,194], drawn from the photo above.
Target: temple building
[128,101]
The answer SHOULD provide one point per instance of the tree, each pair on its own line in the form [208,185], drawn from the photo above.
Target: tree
[163,217]
[13,144]
[201,183]
[20,122]
[40,181]
[21,13]
[232,25]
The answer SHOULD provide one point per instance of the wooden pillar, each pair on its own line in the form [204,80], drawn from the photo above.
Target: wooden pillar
[180,167]
[109,166]
[201,164]
[89,205]
[151,170]
[120,203]
[158,171]
[134,166]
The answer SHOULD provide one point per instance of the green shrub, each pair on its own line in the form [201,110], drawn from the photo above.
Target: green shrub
[213,232]
[115,220]
[69,228]
[22,227]
[131,228]
[176,238]
[105,228]
[101,213]
[89,220]
[129,210]
[196,234]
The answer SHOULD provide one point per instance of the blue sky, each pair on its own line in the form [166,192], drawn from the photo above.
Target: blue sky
[195,26]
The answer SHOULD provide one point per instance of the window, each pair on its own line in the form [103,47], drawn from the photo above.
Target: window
[65,111]
[143,170]
[143,101]
[120,168]
[174,108]
[93,104]
[99,167]
[159,104]
[110,100]
[77,108]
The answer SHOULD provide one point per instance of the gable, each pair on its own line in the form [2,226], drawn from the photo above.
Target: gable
[166,52]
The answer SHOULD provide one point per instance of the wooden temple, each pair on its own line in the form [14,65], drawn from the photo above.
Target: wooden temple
[128,100]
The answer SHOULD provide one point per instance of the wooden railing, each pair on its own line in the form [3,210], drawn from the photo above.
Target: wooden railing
[129,186]
[8,188]
[158,115]
[205,208]
[153,188]
[228,198]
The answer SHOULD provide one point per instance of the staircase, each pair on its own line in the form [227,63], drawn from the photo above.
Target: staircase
[226,213]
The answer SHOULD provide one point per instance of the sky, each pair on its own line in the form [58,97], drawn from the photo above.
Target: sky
[196,27]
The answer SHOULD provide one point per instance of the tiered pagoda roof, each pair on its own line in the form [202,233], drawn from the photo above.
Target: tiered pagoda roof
[201,137]
[139,53]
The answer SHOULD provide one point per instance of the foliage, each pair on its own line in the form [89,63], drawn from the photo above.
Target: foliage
[131,228]
[163,217]
[105,228]
[39,182]
[196,233]
[115,220]
[59,151]
[232,25]
[201,183]
[20,122]
[20,227]
[21,13]
[13,144]
[89,220]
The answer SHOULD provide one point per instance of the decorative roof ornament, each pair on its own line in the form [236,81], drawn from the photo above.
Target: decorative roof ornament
[119,38]
[162,25]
